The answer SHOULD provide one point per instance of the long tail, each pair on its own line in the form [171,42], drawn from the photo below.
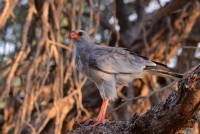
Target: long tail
[163,70]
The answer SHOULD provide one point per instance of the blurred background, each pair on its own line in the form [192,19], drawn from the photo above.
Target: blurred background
[40,89]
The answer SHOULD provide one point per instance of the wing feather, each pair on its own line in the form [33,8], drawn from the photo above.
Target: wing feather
[117,61]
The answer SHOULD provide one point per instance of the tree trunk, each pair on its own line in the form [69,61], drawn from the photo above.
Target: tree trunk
[173,115]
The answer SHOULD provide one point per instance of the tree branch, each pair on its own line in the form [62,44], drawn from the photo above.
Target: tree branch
[7,11]
[175,114]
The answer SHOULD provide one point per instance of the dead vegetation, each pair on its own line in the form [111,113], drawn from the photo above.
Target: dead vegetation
[41,90]
[173,115]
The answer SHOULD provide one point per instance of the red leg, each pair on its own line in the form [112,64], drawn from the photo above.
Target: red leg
[101,117]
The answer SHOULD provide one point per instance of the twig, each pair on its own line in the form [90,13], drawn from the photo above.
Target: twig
[190,47]
[113,7]
[60,45]
[7,11]
[142,97]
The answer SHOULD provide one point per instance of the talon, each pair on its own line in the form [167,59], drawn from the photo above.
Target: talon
[103,121]
[89,122]
[101,117]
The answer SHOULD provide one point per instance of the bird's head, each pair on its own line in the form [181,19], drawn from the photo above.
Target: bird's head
[79,35]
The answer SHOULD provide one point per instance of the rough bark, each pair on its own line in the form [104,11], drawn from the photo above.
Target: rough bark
[173,115]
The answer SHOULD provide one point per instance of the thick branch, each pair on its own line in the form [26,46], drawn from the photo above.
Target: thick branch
[172,115]
[171,7]
[7,11]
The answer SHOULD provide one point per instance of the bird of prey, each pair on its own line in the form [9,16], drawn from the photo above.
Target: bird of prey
[108,67]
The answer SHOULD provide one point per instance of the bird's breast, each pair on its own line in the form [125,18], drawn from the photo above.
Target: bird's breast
[79,64]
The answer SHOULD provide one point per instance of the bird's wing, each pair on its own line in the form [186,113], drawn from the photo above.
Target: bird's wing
[117,61]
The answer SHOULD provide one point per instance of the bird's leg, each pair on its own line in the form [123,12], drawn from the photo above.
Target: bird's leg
[101,117]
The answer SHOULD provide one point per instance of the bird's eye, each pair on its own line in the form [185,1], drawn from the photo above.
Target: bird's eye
[80,33]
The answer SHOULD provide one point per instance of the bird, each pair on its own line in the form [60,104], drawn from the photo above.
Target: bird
[109,67]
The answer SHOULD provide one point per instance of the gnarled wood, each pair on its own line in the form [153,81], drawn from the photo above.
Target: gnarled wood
[173,115]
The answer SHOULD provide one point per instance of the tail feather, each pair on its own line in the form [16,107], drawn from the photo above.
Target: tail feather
[162,70]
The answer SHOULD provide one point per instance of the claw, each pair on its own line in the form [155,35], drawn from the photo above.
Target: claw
[102,121]
[101,117]
[96,121]
[91,120]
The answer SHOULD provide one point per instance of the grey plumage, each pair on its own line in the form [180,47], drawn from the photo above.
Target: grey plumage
[109,66]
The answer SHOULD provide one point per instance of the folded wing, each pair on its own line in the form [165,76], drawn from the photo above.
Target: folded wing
[117,61]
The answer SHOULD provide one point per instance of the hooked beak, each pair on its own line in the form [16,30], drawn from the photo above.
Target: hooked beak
[73,35]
